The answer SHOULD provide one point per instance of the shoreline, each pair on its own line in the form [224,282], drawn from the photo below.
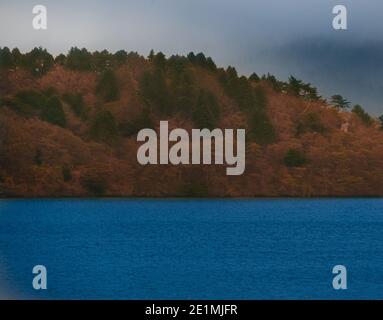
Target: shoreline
[196,198]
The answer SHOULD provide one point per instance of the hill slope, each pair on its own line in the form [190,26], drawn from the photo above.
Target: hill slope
[71,130]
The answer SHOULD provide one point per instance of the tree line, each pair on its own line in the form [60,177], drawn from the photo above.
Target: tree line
[184,91]
[39,61]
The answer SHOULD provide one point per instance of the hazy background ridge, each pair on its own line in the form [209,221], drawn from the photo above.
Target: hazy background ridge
[281,37]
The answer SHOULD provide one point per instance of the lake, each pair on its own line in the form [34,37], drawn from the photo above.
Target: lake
[192,249]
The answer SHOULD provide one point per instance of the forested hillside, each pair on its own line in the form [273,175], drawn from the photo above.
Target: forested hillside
[68,127]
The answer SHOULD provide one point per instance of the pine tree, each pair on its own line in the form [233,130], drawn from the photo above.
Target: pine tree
[362,114]
[104,128]
[107,87]
[381,121]
[294,86]
[254,77]
[53,112]
[79,59]
[339,102]
[5,57]
[38,61]
[120,57]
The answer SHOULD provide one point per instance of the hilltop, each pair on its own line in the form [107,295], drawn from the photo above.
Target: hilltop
[68,127]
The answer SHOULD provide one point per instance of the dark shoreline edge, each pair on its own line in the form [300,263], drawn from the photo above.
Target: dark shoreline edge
[196,198]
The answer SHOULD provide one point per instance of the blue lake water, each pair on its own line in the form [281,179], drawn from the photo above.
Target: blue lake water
[192,249]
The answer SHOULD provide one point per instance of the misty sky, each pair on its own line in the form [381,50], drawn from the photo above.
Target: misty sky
[279,36]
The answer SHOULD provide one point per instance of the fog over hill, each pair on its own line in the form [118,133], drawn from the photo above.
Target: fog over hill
[336,65]
[281,37]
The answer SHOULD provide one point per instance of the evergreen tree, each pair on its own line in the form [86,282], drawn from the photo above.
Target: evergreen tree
[177,65]
[159,60]
[275,83]
[5,58]
[232,73]
[154,90]
[101,61]
[206,112]
[252,102]
[201,60]
[104,128]
[142,121]
[151,55]
[310,122]
[191,57]
[294,86]
[77,104]
[362,114]
[121,57]
[210,64]
[261,129]
[339,102]
[38,61]
[53,112]
[16,57]
[60,59]
[31,97]
[28,102]
[294,158]
[310,93]
[184,92]
[38,158]
[79,59]
[107,87]
[381,121]
[254,77]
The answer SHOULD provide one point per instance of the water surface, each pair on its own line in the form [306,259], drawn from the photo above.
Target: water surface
[192,249]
